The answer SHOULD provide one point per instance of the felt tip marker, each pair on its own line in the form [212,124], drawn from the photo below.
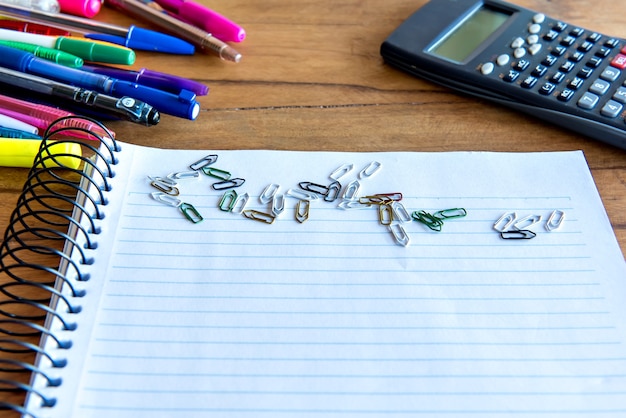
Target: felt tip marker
[132,37]
[17,134]
[22,153]
[85,8]
[87,50]
[201,16]
[182,105]
[12,123]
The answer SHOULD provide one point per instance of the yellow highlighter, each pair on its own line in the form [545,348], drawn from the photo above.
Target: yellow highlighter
[22,152]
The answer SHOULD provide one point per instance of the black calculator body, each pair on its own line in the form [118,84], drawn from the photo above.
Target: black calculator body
[562,73]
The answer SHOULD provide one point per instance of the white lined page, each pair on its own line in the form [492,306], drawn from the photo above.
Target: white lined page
[231,317]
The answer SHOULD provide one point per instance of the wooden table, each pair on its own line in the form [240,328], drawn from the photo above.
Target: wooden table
[312,78]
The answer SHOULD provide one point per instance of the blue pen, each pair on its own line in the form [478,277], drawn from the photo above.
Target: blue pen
[183,105]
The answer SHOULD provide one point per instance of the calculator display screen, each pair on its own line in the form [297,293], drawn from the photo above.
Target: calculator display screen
[458,43]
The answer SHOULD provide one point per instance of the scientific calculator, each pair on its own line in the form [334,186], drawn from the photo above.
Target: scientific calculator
[556,71]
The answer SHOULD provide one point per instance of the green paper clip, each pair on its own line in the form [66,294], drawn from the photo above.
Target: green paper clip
[450,213]
[191,213]
[216,173]
[227,202]
[427,219]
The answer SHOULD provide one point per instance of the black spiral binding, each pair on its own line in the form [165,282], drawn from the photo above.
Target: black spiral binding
[43,230]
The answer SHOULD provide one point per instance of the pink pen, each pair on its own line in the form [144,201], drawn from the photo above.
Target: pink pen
[84,8]
[206,19]
[42,116]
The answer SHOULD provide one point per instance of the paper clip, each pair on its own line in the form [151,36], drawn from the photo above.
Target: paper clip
[370,170]
[208,160]
[301,194]
[527,221]
[352,204]
[164,180]
[167,199]
[259,216]
[184,175]
[381,198]
[333,191]
[228,184]
[519,234]
[227,202]
[302,210]
[341,171]
[313,188]
[269,193]
[399,234]
[450,213]
[399,212]
[216,173]
[190,212]
[555,220]
[351,190]
[240,203]
[165,188]
[427,219]
[385,215]
[505,222]
[278,204]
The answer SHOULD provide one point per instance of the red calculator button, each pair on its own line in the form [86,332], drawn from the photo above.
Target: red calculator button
[619,61]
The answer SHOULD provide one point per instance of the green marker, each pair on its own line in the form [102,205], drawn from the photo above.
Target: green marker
[55,55]
[88,50]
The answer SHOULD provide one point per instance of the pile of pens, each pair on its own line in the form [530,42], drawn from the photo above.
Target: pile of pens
[47,71]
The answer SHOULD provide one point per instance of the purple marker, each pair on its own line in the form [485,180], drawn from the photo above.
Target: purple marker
[206,19]
[162,81]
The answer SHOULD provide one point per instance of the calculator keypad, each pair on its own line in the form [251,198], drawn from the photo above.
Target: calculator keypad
[569,64]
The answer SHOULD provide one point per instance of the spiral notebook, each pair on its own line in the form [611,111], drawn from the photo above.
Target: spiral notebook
[323,284]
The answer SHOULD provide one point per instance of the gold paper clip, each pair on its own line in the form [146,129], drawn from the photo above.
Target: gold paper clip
[385,215]
[302,210]
[259,216]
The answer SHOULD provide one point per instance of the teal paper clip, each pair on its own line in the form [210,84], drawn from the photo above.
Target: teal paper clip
[190,212]
[227,202]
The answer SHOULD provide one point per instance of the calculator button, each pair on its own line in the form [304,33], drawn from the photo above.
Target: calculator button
[557,77]
[568,41]
[594,62]
[521,65]
[588,101]
[517,43]
[612,109]
[619,61]
[567,66]
[566,95]
[539,71]
[503,60]
[576,83]
[611,43]
[539,18]
[594,37]
[620,95]
[610,74]
[532,39]
[600,87]
[534,49]
[549,60]
[576,57]
[519,52]
[534,28]
[511,76]
[603,52]
[529,82]
[585,46]
[547,89]
[585,72]
[487,68]
[560,26]
[550,36]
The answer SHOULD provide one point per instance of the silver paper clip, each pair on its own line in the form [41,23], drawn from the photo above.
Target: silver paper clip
[341,171]
[370,170]
[555,220]
[208,160]
[399,234]
[268,194]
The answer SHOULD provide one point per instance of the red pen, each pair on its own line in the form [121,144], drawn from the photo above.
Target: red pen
[28,27]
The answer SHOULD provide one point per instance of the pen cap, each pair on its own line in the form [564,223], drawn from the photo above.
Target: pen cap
[96,51]
[147,40]
[84,8]
[22,152]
